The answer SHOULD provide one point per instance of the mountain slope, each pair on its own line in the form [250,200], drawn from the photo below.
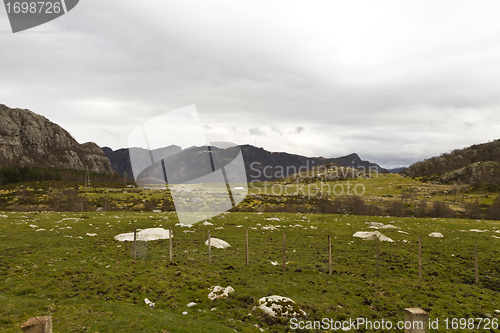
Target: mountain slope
[475,164]
[260,164]
[29,139]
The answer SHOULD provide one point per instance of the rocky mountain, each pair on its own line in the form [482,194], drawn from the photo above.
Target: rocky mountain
[472,165]
[397,170]
[260,164]
[29,139]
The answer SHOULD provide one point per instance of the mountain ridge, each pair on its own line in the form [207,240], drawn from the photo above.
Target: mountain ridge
[30,139]
[260,164]
[476,164]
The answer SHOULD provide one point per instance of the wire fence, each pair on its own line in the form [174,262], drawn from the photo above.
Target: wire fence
[298,249]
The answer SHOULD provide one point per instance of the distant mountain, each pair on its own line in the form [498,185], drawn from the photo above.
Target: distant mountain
[475,164]
[261,165]
[397,170]
[264,165]
[29,139]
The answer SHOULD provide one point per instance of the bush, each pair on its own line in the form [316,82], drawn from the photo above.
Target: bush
[397,209]
[472,210]
[440,209]
[421,210]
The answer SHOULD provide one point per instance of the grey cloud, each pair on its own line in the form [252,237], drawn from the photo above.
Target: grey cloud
[298,130]
[111,65]
[256,131]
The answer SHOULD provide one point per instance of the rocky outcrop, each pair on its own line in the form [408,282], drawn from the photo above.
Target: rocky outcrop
[475,173]
[457,160]
[27,138]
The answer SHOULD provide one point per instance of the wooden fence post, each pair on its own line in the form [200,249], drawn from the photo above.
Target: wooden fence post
[284,252]
[38,325]
[170,245]
[418,318]
[378,257]
[476,264]
[330,254]
[135,243]
[209,249]
[246,247]
[420,258]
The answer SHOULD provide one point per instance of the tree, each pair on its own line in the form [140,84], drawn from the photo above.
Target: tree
[472,210]
[397,209]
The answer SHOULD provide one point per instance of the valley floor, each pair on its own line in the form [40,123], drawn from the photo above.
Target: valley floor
[69,266]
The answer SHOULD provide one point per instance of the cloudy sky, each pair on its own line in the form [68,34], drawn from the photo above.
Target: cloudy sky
[394,81]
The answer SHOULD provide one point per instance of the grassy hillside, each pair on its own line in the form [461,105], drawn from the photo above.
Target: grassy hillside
[91,284]
[375,194]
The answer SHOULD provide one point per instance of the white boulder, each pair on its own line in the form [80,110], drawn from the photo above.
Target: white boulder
[279,306]
[145,235]
[149,303]
[218,292]
[372,235]
[217,243]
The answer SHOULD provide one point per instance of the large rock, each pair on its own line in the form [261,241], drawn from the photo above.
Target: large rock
[27,138]
[219,292]
[217,243]
[372,235]
[279,306]
[150,234]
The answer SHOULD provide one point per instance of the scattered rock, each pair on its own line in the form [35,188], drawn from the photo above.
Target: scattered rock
[279,306]
[183,225]
[217,243]
[145,235]
[218,292]
[372,235]
[389,226]
[149,303]
[436,235]
[269,227]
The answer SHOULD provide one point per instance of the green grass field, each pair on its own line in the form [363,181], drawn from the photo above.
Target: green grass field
[91,283]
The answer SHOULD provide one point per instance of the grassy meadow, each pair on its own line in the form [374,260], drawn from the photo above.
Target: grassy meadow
[52,264]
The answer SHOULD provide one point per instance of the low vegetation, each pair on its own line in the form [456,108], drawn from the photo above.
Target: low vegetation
[68,265]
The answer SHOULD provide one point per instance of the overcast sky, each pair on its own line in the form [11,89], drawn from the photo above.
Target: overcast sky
[393,81]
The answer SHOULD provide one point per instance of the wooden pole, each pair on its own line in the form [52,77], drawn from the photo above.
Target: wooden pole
[330,254]
[246,247]
[135,243]
[284,252]
[170,244]
[420,258]
[209,249]
[476,264]
[38,325]
[417,319]
[378,257]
